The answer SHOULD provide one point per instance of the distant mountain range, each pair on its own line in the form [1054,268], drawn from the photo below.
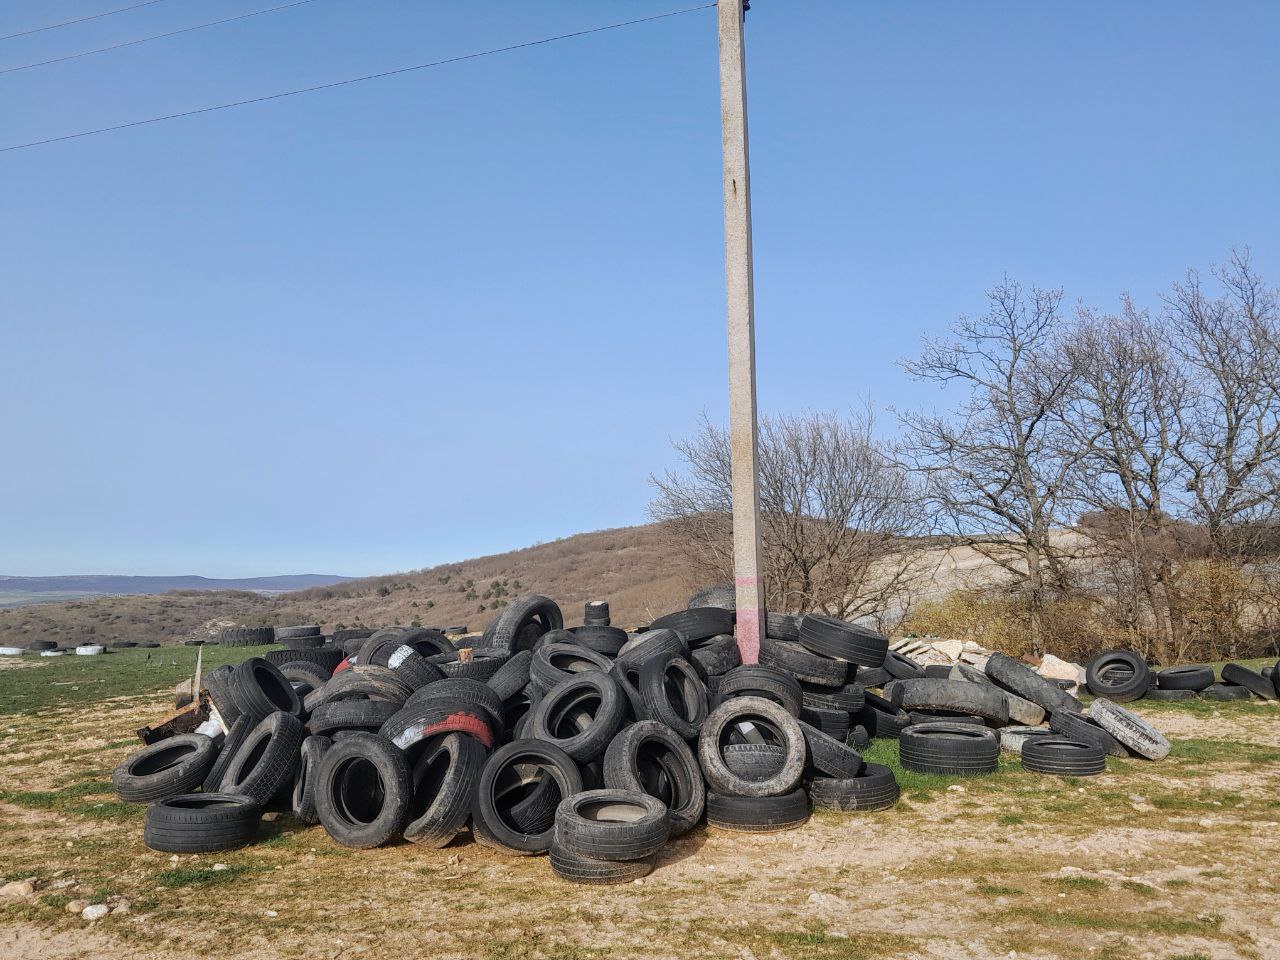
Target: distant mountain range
[22,591]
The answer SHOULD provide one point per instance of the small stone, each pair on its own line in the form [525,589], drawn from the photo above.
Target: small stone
[1206,822]
[119,909]
[956,788]
[455,859]
[95,911]
[639,882]
[18,889]
[76,906]
[1070,869]
[220,866]
[174,858]
[270,913]
[270,817]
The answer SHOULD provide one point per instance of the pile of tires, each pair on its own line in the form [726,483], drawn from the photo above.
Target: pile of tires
[1122,676]
[589,744]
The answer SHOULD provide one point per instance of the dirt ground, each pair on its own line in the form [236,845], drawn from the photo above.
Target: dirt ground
[1151,860]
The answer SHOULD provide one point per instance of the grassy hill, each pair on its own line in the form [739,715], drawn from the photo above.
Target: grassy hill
[626,566]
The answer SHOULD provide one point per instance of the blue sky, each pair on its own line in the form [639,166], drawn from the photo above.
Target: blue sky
[463,310]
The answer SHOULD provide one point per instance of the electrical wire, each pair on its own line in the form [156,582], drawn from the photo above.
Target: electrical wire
[371,76]
[67,23]
[158,36]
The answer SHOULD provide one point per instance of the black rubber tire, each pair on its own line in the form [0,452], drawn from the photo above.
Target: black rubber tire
[841,640]
[259,689]
[116,645]
[782,626]
[758,814]
[217,685]
[444,782]
[238,730]
[955,696]
[1118,675]
[246,636]
[266,760]
[652,643]
[753,761]
[803,664]
[1140,737]
[201,823]
[363,791]
[1275,677]
[356,714]
[412,727]
[717,656]
[428,643]
[596,613]
[467,691]
[829,755]
[555,662]
[304,782]
[303,643]
[512,677]
[949,749]
[940,671]
[407,663]
[514,767]
[169,768]
[650,757]
[1225,692]
[40,645]
[482,667]
[520,625]
[361,682]
[673,694]
[327,658]
[763,714]
[601,639]
[612,824]
[849,698]
[291,633]
[1171,696]
[697,623]
[1026,683]
[883,720]
[1078,727]
[834,723]
[1251,680]
[902,667]
[871,676]
[1063,757]
[875,788]
[721,595]
[350,633]
[1185,678]
[858,738]
[575,869]
[770,683]
[936,716]
[580,715]
[311,676]
[962,671]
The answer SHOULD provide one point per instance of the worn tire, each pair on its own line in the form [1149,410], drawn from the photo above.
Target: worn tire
[327,658]
[602,639]
[782,626]
[1131,730]
[520,625]
[512,677]
[1012,739]
[849,698]
[565,718]
[1251,680]
[901,667]
[875,788]
[697,624]
[758,814]
[259,689]
[673,694]
[1026,683]
[1185,678]
[472,692]
[304,782]
[717,656]
[956,696]
[829,755]
[650,757]
[236,734]
[841,640]
[366,715]
[513,767]
[363,791]
[444,782]
[201,823]
[168,768]
[1119,675]
[1083,729]
[266,760]
[770,683]
[1225,692]
[246,636]
[785,731]
[949,749]
[650,644]
[576,869]
[555,662]
[612,824]
[754,761]
[1063,757]
[804,664]
[1171,696]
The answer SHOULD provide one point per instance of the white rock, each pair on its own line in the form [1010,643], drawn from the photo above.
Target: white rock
[95,911]
[120,908]
[955,788]
[270,913]
[220,866]
[76,906]
[1053,668]
[18,889]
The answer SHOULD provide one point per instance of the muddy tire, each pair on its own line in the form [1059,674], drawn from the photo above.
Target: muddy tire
[650,757]
[782,728]
[1131,730]
[875,788]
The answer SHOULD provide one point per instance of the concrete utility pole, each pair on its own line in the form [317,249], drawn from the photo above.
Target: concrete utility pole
[742,335]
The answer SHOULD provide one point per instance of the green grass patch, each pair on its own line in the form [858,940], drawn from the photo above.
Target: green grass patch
[996,890]
[202,876]
[1141,889]
[71,800]
[1089,884]
[1010,819]
[62,682]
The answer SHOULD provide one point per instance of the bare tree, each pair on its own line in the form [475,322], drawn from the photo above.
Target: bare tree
[1229,430]
[996,471]
[835,513]
[1122,412]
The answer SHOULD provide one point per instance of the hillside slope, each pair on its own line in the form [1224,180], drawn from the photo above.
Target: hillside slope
[626,566]
[15,591]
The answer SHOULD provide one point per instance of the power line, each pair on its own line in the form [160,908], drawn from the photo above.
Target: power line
[158,36]
[351,80]
[67,23]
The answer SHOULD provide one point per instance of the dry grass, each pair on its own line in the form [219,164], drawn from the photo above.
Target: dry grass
[1148,860]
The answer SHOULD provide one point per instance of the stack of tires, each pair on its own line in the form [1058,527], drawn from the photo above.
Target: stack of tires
[1123,675]
[589,744]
